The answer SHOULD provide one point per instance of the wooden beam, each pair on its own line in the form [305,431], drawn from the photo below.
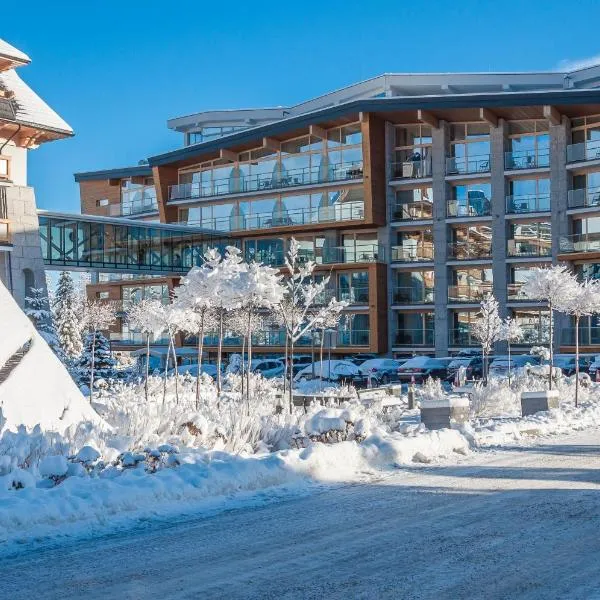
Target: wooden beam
[426,117]
[553,115]
[485,114]
[363,117]
[271,143]
[228,155]
[317,132]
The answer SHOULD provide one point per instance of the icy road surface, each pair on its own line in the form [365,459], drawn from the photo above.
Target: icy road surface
[514,523]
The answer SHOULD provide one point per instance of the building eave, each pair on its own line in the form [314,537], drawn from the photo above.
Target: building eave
[118,173]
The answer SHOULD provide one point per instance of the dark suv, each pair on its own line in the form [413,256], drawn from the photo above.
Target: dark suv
[473,367]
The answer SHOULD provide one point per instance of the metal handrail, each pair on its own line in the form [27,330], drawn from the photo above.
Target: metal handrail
[414,337]
[583,197]
[412,295]
[416,253]
[470,250]
[468,207]
[584,151]
[458,165]
[469,293]
[527,203]
[526,159]
[531,247]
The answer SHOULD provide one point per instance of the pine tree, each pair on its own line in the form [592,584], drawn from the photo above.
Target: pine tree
[37,308]
[104,364]
[66,308]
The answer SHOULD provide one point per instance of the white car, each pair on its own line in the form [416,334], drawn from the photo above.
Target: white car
[193,370]
[334,370]
[499,365]
[268,367]
[381,370]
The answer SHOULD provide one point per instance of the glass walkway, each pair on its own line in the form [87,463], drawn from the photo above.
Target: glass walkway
[84,242]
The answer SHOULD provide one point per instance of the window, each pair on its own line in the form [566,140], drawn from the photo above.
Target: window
[530,239]
[585,139]
[4,167]
[414,203]
[412,154]
[469,148]
[471,200]
[529,145]
[102,202]
[102,295]
[528,195]
[414,329]
[413,287]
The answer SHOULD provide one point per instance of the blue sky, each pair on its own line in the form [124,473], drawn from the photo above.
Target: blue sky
[116,71]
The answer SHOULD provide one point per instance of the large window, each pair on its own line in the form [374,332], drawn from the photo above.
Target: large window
[585,139]
[353,287]
[535,325]
[469,148]
[470,200]
[413,246]
[413,204]
[528,195]
[137,197]
[412,152]
[353,330]
[473,241]
[530,239]
[133,294]
[529,145]
[414,329]
[413,287]
[470,285]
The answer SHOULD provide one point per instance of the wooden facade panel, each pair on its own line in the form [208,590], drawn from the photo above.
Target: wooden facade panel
[164,178]
[91,193]
[373,130]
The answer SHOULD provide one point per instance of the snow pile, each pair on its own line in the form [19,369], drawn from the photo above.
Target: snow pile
[38,390]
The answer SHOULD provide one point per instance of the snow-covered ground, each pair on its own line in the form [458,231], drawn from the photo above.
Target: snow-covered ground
[518,522]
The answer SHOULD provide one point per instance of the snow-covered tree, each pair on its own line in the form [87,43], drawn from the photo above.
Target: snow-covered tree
[511,332]
[326,321]
[300,310]
[487,328]
[96,361]
[143,316]
[553,285]
[97,316]
[37,308]
[582,300]
[67,317]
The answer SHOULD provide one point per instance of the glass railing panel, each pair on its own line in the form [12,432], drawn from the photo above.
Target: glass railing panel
[354,295]
[412,295]
[414,337]
[263,182]
[584,197]
[356,337]
[531,247]
[468,293]
[579,243]
[126,209]
[456,165]
[412,168]
[472,207]
[588,336]
[470,250]
[410,253]
[411,211]
[527,159]
[461,337]
[528,203]
[584,151]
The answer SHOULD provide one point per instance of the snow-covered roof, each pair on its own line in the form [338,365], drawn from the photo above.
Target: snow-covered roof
[12,55]
[29,108]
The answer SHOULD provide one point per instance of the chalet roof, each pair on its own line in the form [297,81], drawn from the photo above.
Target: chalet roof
[12,55]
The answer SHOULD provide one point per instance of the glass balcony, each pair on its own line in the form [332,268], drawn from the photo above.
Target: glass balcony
[342,211]
[130,338]
[331,255]
[584,197]
[411,211]
[474,206]
[355,337]
[527,159]
[461,337]
[534,335]
[5,232]
[412,295]
[530,203]
[515,293]
[588,336]
[460,165]
[532,247]
[471,250]
[129,209]
[412,168]
[422,252]
[414,337]
[280,179]
[468,293]
[579,243]
[355,295]
[585,151]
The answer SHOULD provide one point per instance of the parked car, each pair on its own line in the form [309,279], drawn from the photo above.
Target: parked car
[299,362]
[424,367]
[499,365]
[566,363]
[473,367]
[337,371]
[268,367]
[193,370]
[381,370]
[360,358]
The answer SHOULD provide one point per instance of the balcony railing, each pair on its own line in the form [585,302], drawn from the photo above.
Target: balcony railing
[588,336]
[240,184]
[145,206]
[412,168]
[468,207]
[259,338]
[468,293]
[357,294]
[5,232]
[534,335]
[529,203]
[579,243]
[472,250]
[413,253]
[356,337]
[412,295]
[339,254]
[515,293]
[584,197]
[343,211]
[533,247]
[411,211]
[584,151]
[461,337]
[414,337]
[456,165]
[134,339]
[527,159]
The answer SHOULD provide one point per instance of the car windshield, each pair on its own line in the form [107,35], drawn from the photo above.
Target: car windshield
[459,362]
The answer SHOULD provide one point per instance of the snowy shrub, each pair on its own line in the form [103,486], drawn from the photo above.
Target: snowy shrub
[431,390]
[494,399]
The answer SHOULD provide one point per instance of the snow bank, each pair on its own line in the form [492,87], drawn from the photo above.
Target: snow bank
[38,390]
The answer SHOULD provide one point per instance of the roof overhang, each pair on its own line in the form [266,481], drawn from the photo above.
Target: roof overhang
[122,173]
